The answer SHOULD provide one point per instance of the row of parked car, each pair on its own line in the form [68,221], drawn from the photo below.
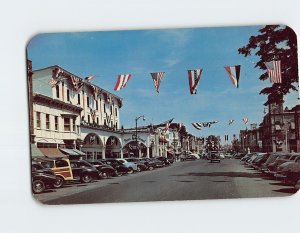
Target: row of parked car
[282,166]
[55,173]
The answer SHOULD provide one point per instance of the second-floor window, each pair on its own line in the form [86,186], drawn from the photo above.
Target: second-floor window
[67,126]
[116,111]
[74,124]
[68,95]
[56,123]
[38,119]
[88,101]
[78,99]
[57,91]
[47,121]
[104,108]
[97,105]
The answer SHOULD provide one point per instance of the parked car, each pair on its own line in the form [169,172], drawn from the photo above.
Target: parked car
[61,168]
[286,167]
[84,171]
[41,178]
[140,165]
[164,160]
[158,163]
[297,185]
[132,166]
[272,157]
[148,163]
[260,160]
[272,167]
[214,156]
[121,169]
[104,169]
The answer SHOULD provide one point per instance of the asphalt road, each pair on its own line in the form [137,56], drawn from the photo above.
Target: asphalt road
[190,180]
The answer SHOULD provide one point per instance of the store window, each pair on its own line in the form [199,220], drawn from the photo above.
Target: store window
[67,126]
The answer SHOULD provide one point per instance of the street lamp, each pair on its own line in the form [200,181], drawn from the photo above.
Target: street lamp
[136,134]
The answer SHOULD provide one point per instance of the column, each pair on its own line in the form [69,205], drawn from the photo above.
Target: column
[121,153]
[103,152]
[140,153]
[148,155]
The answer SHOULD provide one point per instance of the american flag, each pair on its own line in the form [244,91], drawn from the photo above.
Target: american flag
[122,81]
[157,77]
[274,71]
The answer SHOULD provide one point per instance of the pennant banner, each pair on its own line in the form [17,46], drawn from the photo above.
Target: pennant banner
[89,78]
[234,74]
[245,120]
[194,78]
[122,81]
[157,77]
[274,71]
[199,125]
[77,83]
[230,122]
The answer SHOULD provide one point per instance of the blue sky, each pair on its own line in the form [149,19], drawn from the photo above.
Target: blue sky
[174,51]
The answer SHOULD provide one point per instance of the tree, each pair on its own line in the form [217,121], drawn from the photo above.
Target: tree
[275,42]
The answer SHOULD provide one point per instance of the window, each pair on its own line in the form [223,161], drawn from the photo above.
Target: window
[74,124]
[61,163]
[111,110]
[89,119]
[68,95]
[97,120]
[111,124]
[56,122]
[292,125]
[57,91]
[116,111]
[78,99]
[96,104]
[47,121]
[88,101]
[104,108]
[38,119]
[116,125]
[67,124]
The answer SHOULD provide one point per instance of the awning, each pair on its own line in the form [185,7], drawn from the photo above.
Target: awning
[68,151]
[79,152]
[35,152]
[52,153]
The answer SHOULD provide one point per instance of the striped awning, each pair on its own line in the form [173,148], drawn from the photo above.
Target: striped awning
[35,152]
[68,151]
[52,153]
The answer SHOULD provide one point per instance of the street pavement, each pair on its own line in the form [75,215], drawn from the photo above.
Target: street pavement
[189,180]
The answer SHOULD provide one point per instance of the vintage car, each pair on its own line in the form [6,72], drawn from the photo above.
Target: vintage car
[148,163]
[104,169]
[140,165]
[132,166]
[84,171]
[214,156]
[272,167]
[61,168]
[164,160]
[41,178]
[121,169]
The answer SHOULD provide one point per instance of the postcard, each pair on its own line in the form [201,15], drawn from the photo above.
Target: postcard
[164,114]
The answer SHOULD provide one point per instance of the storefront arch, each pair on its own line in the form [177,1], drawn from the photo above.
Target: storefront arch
[93,146]
[130,149]
[113,147]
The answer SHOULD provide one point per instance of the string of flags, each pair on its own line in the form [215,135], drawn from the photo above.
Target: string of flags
[199,125]
[273,70]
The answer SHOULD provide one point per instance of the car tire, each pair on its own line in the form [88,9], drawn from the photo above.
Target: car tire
[139,169]
[104,175]
[38,186]
[59,182]
[86,178]
[151,168]
[130,170]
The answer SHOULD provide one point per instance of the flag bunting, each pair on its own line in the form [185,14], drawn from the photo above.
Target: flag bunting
[234,74]
[122,81]
[157,77]
[194,78]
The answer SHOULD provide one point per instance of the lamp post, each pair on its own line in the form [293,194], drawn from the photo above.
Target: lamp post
[136,134]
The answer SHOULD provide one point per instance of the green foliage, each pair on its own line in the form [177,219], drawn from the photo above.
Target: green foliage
[275,42]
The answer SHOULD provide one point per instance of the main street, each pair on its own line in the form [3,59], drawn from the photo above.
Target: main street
[190,180]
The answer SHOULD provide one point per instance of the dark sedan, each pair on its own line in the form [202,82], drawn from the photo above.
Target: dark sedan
[104,169]
[121,169]
[164,160]
[84,171]
[41,178]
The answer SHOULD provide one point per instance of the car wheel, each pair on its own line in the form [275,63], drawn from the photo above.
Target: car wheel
[38,186]
[130,170]
[86,178]
[104,175]
[139,169]
[151,168]
[59,182]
